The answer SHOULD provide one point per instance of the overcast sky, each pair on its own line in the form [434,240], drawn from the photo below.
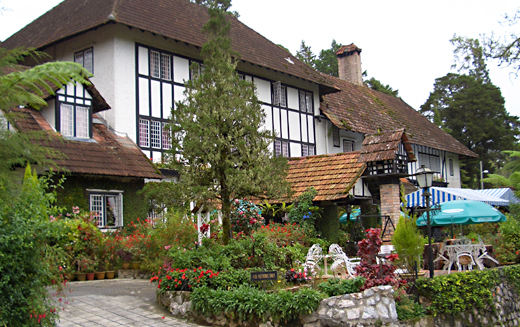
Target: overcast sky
[405,43]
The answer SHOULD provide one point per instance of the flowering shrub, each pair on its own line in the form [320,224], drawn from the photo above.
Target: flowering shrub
[245,217]
[283,234]
[297,277]
[183,279]
[375,274]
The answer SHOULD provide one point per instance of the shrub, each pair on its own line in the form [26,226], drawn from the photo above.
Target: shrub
[249,304]
[458,292]
[245,217]
[408,242]
[28,262]
[375,274]
[336,286]
[305,213]
[406,307]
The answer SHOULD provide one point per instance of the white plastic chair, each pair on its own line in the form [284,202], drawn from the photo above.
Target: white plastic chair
[342,260]
[465,259]
[314,255]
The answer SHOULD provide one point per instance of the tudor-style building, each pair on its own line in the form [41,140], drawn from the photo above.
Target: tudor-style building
[140,53]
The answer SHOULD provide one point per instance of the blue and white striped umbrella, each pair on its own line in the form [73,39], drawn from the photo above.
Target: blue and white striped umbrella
[443,194]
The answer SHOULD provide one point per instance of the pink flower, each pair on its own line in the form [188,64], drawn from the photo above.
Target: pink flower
[75,210]
[236,201]
[167,247]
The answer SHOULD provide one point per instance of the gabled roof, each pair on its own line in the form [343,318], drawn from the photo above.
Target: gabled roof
[331,175]
[109,155]
[179,20]
[384,146]
[361,109]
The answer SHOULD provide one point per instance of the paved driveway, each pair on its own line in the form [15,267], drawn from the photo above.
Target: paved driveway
[116,302]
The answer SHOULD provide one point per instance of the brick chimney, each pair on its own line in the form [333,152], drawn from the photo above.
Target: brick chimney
[349,64]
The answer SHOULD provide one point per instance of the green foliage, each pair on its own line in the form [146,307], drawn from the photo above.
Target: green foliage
[406,307]
[513,275]
[28,262]
[453,105]
[249,304]
[376,85]
[458,292]
[336,286]
[305,54]
[304,212]
[327,61]
[408,241]
[27,87]
[223,153]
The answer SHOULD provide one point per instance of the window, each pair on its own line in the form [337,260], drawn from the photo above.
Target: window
[74,121]
[281,148]
[86,59]
[307,150]
[195,71]
[335,136]
[155,64]
[348,146]
[166,139]
[452,170]
[430,161]
[280,97]
[144,130]
[311,150]
[108,208]
[155,134]
[166,71]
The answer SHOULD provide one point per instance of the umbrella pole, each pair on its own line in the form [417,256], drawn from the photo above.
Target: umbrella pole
[452,232]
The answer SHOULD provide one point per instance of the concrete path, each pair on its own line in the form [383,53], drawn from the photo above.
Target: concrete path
[115,302]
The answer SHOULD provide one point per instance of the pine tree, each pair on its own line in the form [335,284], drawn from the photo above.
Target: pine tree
[220,148]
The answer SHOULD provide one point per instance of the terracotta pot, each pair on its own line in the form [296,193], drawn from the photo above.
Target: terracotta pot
[110,274]
[71,276]
[81,276]
[90,276]
[136,265]
[126,265]
[100,275]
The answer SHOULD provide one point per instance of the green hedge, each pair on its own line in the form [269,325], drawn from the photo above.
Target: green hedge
[459,292]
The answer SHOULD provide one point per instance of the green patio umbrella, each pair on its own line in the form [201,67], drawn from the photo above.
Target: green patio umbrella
[463,212]
[353,216]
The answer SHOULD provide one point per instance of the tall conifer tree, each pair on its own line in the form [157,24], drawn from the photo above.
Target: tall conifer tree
[220,147]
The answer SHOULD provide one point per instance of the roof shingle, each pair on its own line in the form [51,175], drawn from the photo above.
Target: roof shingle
[331,175]
[361,109]
[176,19]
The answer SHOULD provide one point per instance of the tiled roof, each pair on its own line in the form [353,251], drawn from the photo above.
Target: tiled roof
[331,175]
[180,20]
[109,155]
[361,109]
[347,49]
[384,146]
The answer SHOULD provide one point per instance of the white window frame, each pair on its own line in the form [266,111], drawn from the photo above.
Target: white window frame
[74,121]
[348,145]
[335,136]
[98,202]
[155,64]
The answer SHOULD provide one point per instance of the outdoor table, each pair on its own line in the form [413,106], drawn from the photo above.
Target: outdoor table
[449,254]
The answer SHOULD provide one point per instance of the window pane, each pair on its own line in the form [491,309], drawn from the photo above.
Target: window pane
[82,122]
[78,58]
[277,147]
[67,120]
[155,134]
[111,210]
[88,59]
[283,97]
[144,129]
[285,149]
[166,140]
[166,72]
[348,146]
[155,61]
[302,101]
[308,101]
[335,136]
[311,151]
[96,205]
[305,150]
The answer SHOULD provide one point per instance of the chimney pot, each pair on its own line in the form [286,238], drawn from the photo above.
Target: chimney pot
[349,64]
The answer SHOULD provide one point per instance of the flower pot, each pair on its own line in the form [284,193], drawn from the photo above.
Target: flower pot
[70,277]
[90,276]
[81,276]
[100,275]
[110,274]
[136,265]
[126,265]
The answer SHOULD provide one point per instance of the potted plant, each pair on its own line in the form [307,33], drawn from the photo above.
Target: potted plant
[80,264]
[126,256]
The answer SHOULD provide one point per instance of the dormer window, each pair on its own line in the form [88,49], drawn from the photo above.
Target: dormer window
[74,112]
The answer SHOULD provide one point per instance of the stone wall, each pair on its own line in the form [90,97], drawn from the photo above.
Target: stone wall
[375,305]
